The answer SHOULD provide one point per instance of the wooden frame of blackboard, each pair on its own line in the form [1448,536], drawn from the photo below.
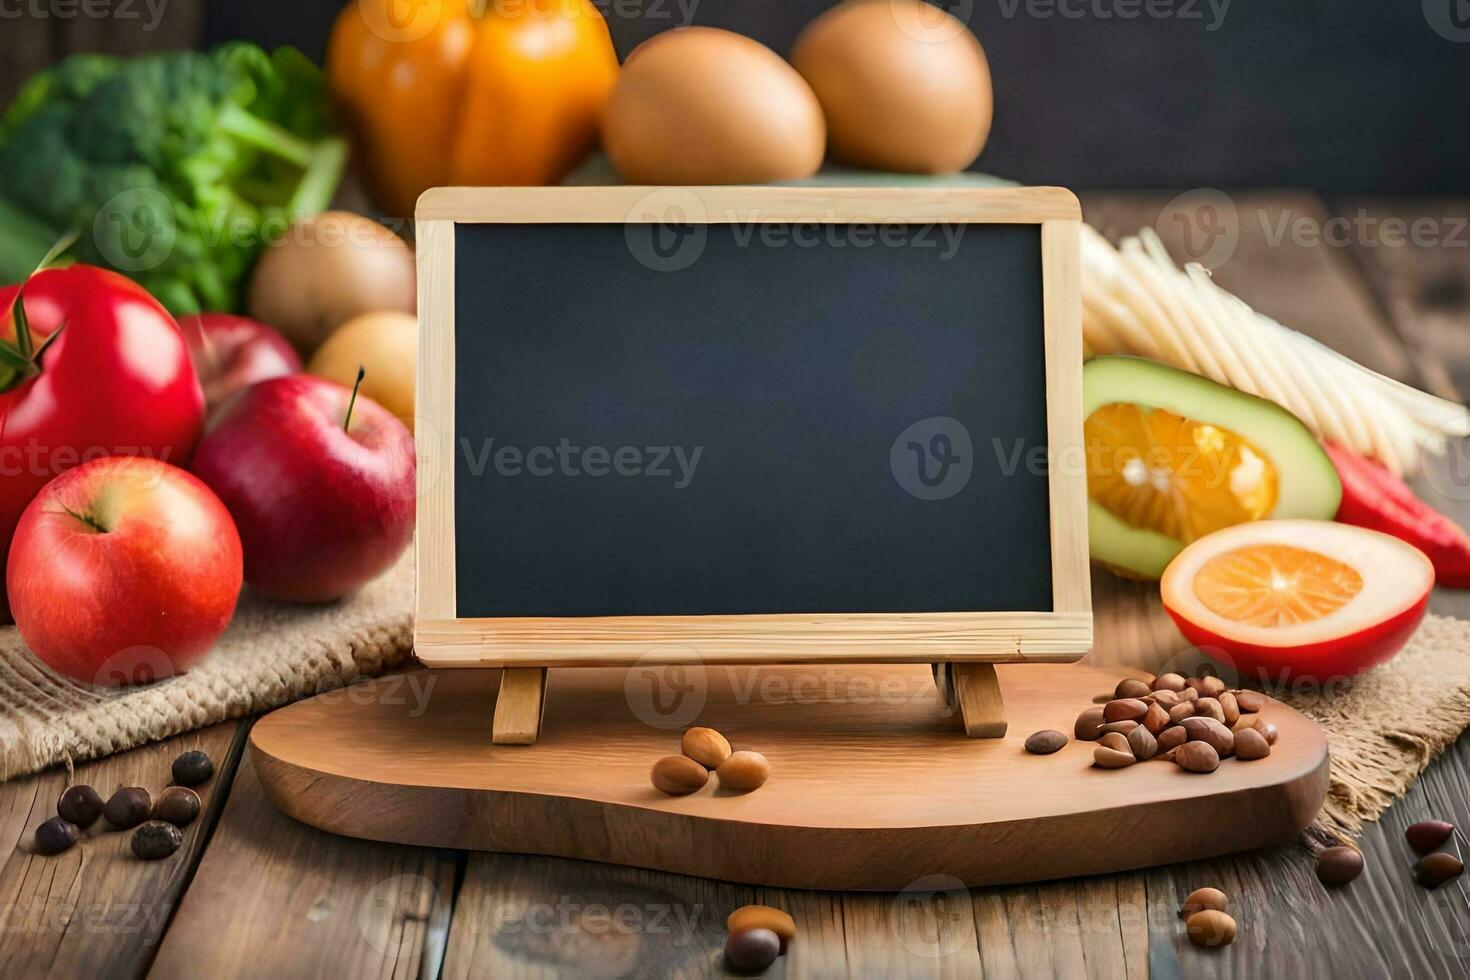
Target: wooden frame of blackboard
[964,646]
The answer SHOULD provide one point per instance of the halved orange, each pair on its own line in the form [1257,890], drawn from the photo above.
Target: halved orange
[1308,598]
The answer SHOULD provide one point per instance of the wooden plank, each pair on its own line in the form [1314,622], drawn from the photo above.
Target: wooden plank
[1270,265]
[25,48]
[978,698]
[273,897]
[1415,253]
[1095,927]
[518,706]
[130,27]
[97,909]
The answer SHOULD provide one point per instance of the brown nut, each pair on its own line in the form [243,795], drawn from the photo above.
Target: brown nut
[1045,742]
[763,917]
[1210,928]
[1181,711]
[1250,745]
[1156,720]
[1142,744]
[1221,739]
[1435,869]
[1088,725]
[1121,727]
[1424,836]
[1196,757]
[1106,758]
[1188,694]
[1169,682]
[1165,699]
[1269,731]
[705,746]
[1172,738]
[678,775]
[1250,701]
[1230,706]
[1124,709]
[1337,866]
[1208,686]
[1115,740]
[1209,708]
[1201,899]
[1130,687]
[744,771]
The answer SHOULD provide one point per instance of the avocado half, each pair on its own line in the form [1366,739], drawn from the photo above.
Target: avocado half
[1307,483]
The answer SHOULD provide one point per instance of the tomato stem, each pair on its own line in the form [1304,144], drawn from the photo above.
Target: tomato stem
[347,422]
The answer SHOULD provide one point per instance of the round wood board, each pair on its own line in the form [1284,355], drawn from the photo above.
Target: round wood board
[873,785]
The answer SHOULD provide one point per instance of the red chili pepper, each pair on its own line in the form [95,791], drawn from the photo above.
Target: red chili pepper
[1375,498]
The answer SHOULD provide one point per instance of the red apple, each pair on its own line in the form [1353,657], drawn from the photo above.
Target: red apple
[234,352]
[323,505]
[124,569]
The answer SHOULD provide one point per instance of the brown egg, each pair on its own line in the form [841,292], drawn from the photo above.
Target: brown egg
[706,106]
[904,85]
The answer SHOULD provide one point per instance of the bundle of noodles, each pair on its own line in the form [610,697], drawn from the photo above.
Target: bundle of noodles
[1135,300]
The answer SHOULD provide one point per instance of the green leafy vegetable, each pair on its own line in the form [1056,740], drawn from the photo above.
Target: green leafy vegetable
[174,169]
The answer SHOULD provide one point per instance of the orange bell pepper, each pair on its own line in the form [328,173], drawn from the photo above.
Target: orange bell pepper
[469,92]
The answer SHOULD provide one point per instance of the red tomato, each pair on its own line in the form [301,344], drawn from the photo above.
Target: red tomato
[116,382]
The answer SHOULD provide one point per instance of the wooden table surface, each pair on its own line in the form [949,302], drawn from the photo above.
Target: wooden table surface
[253,893]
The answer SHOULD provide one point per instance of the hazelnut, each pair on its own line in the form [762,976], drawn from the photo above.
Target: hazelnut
[1106,758]
[1130,687]
[678,775]
[763,917]
[1088,725]
[1250,745]
[1196,757]
[1210,928]
[705,746]
[1201,899]
[744,771]
[1169,682]
[1124,709]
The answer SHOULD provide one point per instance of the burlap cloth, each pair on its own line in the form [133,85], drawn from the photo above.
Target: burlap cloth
[271,654]
[1383,727]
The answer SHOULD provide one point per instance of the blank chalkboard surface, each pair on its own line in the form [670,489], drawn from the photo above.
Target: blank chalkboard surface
[778,415]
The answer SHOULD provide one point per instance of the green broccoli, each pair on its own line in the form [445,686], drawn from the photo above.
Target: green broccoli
[175,168]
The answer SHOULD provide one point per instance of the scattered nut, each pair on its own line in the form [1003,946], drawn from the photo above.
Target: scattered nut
[1121,727]
[1221,739]
[705,746]
[752,950]
[1269,731]
[1424,836]
[1181,711]
[1045,742]
[1201,899]
[156,839]
[1196,757]
[1172,738]
[1130,687]
[1169,682]
[128,807]
[1208,686]
[1088,725]
[80,805]
[1106,758]
[1230,706]
[1165,699]
[763,917]
[178,805]
[1124,709]
[1250,701]
[678,775]
[1156,720]
[1210,928]
[1188,694]
[1338,866]
[1210,708]
[1435,869]
[56,835]
[1251,745]
[1142,743]
[744,771]
[193,768]
[1116,742]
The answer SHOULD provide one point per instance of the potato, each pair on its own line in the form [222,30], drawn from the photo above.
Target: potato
[385,345]
[326,270]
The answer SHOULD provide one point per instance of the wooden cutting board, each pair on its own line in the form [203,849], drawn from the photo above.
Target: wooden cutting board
[873,784]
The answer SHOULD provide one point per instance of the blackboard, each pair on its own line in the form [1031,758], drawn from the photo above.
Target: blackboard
[773,414]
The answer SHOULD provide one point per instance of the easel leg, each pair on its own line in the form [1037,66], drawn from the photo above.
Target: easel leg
[518,707]
[976,693]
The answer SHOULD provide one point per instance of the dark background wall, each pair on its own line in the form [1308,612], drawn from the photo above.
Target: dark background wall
[1337,95]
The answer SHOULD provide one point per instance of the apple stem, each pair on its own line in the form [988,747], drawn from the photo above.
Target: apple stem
[347,422]
[86,519]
